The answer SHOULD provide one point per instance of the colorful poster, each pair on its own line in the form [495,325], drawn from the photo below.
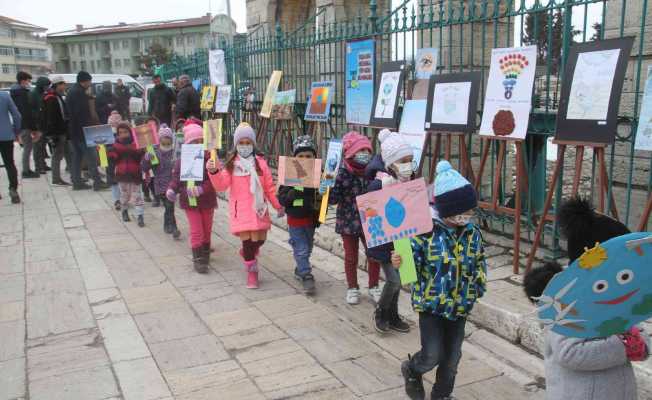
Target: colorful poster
[303,172]
[213,134]
[591,88]
[319,104]
[283,107]
[217,67]
[359,81]
[644,130]
[192,162]
[451,103]
[145,135]
[509,92]
[411,127]
[223,99]
[426,63]
[207,98]
[333,161]
[397,212]
[270,94]
[99,134]
[605,292]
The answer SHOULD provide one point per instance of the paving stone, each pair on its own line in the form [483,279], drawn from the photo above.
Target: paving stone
[230,323]
[12,288]
[89,384]
[12,344]
[227,303]
[285,306]
[253,337]
[12,311]
[497,388]
[88,257]
[214,376]
[183,275]
[279,363]
[57,264]
[55,313]
[12,223]
[97,278]
[169,325]
[305,378]
[43,226]
[188,352]
[137,275]
[267,350]
[122,338]
[368,374]
[12,379]
[152,298]
[67,281]
[72,221]
[209,291]
[115,243]
[242,389]
[46,249]
[140,380]
[12,260]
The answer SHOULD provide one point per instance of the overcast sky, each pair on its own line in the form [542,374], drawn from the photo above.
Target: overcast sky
[62,15]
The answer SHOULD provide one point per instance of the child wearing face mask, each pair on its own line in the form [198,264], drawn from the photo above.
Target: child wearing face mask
[200,216]
[163,172]
[451,276]
[249,180]
[349,183]
[393,165]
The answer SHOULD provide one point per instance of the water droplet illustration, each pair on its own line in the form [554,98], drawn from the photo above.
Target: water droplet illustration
[394,212]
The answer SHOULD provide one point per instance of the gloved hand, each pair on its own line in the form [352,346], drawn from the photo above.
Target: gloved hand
[635,346]
[387,180]
[322,187]
[170,195]
[194,191]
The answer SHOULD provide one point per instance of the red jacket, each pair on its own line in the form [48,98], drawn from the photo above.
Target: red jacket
[127,162]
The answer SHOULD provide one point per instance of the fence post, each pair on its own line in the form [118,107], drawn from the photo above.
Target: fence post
[279,47]
[373,16]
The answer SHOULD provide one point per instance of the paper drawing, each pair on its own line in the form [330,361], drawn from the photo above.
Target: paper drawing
[99,134]
[145,135]
[207,98]
[223,99]
[283,107]
[213,134]
[270,94]
[451,103]
[303,172]
[644,130]
[359,81]
[192,162]
[426,63]
[333,160]
[412,127]
[387,95]
[319,104]
[591,87]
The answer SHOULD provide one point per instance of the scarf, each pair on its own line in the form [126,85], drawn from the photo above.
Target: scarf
[247,167]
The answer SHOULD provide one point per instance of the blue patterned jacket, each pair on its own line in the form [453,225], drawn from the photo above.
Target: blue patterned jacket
[451,271]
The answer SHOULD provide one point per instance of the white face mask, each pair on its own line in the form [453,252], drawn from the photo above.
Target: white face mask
[459,220]
[362,158]
[245,150]
[403,171]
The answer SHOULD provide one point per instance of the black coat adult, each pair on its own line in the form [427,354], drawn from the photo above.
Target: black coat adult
[188,102]
[36,101]
[20,96]
[56,114]
[123,94]
[160,101]
[105,102]
[80,112]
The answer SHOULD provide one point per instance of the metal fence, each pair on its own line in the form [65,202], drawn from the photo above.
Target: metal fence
[465,32]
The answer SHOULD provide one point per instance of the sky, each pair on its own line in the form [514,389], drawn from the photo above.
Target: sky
[62,15]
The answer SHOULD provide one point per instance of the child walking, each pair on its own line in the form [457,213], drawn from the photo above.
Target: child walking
[163,172]
[349,183]
[251,186]
[302,209]
[200,217]
[127,159]
[393,165]
[451,276]
[149,179]
[114,120]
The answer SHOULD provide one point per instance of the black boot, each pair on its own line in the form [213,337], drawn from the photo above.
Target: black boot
[175,231]
[206,251]
[125,215]
[167,226]
[15,198]
[413,382]
[141,221]
[396,322]
[381,322]
[197,261]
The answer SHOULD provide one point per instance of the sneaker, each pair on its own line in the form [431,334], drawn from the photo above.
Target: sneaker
[29,174]
[374,293]
[80,186]
[353,296]
[117,205]
[15,198]
[398,324]
[141,221]
[308,284]
[413,382]
[60,182]
[380,320]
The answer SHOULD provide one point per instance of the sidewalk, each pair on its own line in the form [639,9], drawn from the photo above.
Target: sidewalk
[93,308]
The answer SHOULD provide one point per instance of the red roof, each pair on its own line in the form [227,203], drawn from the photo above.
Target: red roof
[139,26]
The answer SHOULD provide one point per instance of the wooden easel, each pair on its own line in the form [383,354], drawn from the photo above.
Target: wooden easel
[282,128]
[465,167]
[521,184]
[318,129]
[642,225]
[603,183]
[261,135]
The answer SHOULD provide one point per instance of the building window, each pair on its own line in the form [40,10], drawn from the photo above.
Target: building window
[83,65]
[117,63]
[126,62]
[179,40]
[8,68]
[74,65]
[6,51]
[93,66]
[115,44]
[191,40]
[82,49]
[148,42]
[97,46]
[125,44]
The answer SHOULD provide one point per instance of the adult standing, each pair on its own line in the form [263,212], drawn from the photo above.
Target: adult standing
[160,101]
[105,102]
[79,106]
[38,114]
[9,131]
[187,99]
[56,125]
[123,95]
[29,133]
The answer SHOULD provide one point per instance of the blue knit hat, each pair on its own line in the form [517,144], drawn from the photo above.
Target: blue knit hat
[454,195]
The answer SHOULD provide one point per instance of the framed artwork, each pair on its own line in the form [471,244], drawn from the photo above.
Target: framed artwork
[385,110]
[223,99]
[207,98]
[192,162]
[319,104]
[591,91]
[283,107]
[333,161]
[453,102]
[213,134]
[508,98]
[98,135]
[303,172]
[360,64]
[270,94]
[411,127]
[145,135]
[425,64]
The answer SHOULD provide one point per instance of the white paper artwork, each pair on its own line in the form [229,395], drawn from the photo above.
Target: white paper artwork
[217,67]
[222,99]
[591,88]
[192,162]
[387,96]
[450,104]
[644,131]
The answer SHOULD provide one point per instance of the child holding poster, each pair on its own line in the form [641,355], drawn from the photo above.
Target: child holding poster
[127,158]
[451,276]
[148,178]
[251,186]
[200,217]
[114,120]
[349,183]
[393,165]
[302,209]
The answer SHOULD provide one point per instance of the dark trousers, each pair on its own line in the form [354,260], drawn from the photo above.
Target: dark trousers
[392,289]
[441,347]
[7,153]
[79,151]
[168,216]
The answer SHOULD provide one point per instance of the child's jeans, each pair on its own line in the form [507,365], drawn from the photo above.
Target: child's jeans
[391,290]
[351,246]
[131,193]
[201,225]
[301,240]
[441,347]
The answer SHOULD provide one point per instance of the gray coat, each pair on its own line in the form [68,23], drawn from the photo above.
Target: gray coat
[10,118]
[580,369]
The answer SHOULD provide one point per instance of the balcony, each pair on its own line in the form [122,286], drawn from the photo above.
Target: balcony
[29,57]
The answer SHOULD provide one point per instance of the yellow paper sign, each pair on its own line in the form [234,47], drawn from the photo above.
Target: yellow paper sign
[213,134]
[324,206]
[104,161]
[153,159]
[192,201]
[207,98]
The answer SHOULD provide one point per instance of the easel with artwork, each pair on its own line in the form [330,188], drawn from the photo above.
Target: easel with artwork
[266,109]
[317,117]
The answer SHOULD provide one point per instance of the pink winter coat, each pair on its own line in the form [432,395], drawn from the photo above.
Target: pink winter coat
[242,216]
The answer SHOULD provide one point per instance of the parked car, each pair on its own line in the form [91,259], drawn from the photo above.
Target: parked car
[136,103]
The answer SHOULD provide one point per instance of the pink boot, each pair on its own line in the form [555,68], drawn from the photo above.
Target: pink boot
[252,274]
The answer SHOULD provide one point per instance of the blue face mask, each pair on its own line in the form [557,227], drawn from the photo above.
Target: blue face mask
[362,158]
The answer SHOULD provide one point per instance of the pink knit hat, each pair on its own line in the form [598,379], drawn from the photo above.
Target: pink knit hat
[192,132]
[353,142]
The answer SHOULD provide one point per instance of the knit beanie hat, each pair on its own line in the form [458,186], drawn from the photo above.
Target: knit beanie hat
[244,131]
[304,143]
[84,76]
[353,142]
[192,132]
[165,132]
[454,195]
[393,147]
[114,119]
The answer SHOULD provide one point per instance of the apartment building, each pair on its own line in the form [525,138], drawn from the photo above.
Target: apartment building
[22,48]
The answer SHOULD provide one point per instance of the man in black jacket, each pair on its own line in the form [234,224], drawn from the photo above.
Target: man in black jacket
[188,102]
[123,95]
[29,133]
[105,102]
[56,125]
[160,101]
[38,113]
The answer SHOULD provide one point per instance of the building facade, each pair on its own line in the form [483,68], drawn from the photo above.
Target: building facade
[22,48]
[117,49]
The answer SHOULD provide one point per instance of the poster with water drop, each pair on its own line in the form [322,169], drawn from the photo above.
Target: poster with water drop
[397,212]
[386,103]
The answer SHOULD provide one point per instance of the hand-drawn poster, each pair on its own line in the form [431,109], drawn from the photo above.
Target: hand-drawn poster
[426,63]
[319,104]
[605,292]
[508,98]
[411,127]
[192,162]
[304,172]
[359,81]
[213,134]
[397,212]
[217,67]
[389,89]
[145,135]
[644,130]
[283,107]
[591,91]
[453,101]
[333,161]
[98,134]
[270,94]
[223,99]
[207,98]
